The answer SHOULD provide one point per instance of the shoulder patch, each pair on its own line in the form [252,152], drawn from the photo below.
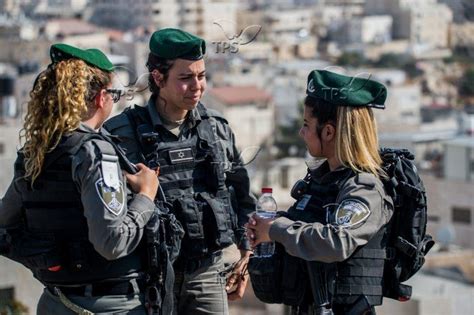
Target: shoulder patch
[113,199]
[351,212]
[303,202]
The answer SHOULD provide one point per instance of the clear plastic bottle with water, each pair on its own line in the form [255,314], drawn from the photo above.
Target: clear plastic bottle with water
[266,208]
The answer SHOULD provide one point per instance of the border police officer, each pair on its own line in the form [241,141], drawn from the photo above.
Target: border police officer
[338,225]
[200,170]
[77,228]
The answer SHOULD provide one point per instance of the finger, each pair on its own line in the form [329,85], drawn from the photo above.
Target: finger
[140,165]
[239,292]
[130,177]
[252,221]
[251,234]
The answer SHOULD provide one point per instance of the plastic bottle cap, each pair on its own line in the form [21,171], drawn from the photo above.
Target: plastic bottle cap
[267,190]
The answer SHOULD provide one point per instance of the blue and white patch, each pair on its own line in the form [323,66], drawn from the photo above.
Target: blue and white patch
[351,212]
[303,202]
[112,198]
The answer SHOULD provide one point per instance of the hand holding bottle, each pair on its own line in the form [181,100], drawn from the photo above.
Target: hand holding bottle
[258,231]
[266,209]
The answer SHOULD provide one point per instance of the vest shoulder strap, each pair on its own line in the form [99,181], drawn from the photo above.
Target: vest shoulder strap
[70,144]
[138,115]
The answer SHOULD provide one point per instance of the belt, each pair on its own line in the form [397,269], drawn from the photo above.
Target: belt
[103,288]
[193,264]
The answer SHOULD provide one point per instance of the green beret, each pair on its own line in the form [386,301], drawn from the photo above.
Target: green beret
[171,43]
[93,57]
[343,90]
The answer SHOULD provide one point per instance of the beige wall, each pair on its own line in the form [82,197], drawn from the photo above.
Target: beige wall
[443,195]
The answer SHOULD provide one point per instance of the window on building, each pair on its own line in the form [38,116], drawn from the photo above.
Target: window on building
[433,218]
[461,215]
[2,148]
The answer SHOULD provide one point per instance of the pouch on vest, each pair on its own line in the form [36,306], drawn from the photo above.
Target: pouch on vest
[280,278]
[294,280]
[190,212]
[174,233]
[219,211]
[265,276]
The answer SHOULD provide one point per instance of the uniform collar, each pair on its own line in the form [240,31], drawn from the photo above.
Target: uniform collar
[192,118]
[324,175]
[86,128]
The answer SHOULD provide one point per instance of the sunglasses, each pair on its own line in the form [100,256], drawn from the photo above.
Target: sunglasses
[116,94]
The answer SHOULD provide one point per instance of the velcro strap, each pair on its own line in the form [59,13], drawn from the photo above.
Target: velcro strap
[347,289]
[370,253]
[405,247]
[172,169]
[109,157]
[376,272]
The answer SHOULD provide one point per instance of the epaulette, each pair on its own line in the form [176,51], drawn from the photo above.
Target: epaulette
[105,147]
[365,179]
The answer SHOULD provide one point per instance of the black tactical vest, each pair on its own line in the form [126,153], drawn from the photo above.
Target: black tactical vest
[362,273]
[192,176]
[55,245]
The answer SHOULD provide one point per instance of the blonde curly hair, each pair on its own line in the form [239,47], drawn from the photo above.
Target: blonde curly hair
[61,98]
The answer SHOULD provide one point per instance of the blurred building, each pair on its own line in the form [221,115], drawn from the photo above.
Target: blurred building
[462,35]
[249,110]
[127,15]
[459,160]
[450,210]
[194,16]
[59,8]
[76,32]
[374,29]
[424,22]
[10,7]
[402,107]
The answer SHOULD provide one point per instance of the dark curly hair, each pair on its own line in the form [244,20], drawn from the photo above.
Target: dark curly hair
[160,64]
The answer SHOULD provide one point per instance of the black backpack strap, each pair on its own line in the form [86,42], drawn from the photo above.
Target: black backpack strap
[139,116]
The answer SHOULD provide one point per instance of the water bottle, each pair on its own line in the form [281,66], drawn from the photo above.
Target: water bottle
[266,208]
